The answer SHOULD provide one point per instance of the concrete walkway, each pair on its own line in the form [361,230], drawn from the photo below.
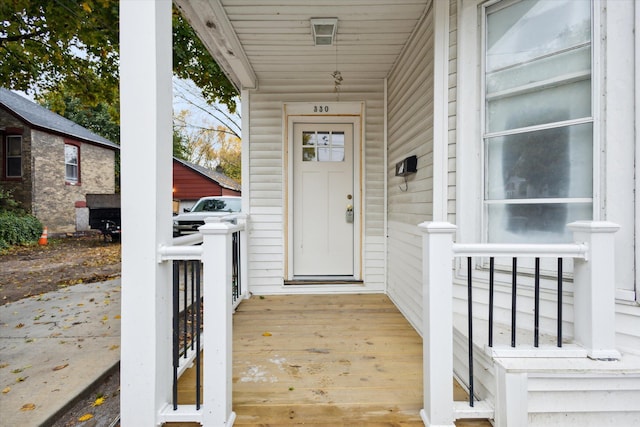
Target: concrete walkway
[53,347]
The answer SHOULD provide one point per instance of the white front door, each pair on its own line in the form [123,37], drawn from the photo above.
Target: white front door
[323,199]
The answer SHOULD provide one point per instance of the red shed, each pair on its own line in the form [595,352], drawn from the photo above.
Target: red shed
[191,182]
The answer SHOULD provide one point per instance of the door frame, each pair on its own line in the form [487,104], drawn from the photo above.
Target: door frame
[323,113]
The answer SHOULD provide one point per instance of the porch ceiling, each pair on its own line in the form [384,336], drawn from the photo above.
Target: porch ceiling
[271,39]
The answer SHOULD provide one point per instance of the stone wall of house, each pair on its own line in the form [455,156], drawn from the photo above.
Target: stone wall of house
[21,188]
[54,201]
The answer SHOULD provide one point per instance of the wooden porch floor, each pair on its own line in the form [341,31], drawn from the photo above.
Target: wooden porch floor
[324,360]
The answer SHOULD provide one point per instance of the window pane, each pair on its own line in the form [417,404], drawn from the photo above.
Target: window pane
[534,28]
[575,62]
[14,146]
[71,154]
[308,154]
[14,167]
[550,163]
[534,223]
[71,173]
[323,138]
[324,154]
[308,138]
[566,102]
[337,144]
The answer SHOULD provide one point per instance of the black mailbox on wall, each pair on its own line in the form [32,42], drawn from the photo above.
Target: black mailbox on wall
[407,166]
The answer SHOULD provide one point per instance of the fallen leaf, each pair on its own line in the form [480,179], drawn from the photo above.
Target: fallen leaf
[266,334]
[21,379]
[117,316]
[6,390]
[19,325]
[28,407]
[85,417]
[105,318]
[114,347]
[3,365]
[99,401]
[59,367]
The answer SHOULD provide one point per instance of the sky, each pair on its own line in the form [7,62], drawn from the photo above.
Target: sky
[186,96]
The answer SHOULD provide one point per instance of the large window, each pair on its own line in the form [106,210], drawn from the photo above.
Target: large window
[13,156]
[538,125]
[72,163]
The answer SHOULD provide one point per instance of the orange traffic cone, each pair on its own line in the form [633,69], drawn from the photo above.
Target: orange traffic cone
[43,238]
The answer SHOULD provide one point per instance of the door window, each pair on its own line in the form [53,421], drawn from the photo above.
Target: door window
[324,146]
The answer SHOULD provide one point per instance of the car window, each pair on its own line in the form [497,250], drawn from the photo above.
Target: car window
[217,205]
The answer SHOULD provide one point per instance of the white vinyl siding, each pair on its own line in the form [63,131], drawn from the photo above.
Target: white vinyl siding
[452,116]
[410,132]
[267,186]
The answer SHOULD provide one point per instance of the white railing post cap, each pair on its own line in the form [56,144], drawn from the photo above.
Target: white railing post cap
[213,225]
[593,226]
[437,227]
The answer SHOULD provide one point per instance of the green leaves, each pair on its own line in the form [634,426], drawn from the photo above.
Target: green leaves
[72,47]
[47,43]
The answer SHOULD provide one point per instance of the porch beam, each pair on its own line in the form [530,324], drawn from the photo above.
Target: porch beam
[146,135]
[437,320]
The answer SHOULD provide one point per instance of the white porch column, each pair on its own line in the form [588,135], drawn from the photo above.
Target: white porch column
[146,141]
[218,333]
[437,320]
[594,289]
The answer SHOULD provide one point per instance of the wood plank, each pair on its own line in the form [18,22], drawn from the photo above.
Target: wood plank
[329,361]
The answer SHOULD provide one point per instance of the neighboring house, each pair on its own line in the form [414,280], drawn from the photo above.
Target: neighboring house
[51,163]
[191,182]
[523,116]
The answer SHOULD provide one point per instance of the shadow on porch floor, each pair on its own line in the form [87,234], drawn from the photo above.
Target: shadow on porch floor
[324,360]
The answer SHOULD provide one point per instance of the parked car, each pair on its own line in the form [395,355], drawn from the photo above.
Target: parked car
[211,206]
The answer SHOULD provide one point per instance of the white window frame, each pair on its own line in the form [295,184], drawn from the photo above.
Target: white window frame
[71,180]
[470,112]
[486,135]
[470,178]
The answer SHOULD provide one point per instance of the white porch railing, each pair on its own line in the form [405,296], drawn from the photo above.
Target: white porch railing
[593,306]
[218,248]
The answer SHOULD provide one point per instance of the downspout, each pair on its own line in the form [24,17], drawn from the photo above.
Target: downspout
[384,186]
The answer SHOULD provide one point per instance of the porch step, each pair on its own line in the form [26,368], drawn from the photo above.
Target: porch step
[480,410]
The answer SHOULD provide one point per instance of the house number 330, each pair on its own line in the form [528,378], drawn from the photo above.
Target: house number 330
[320,108]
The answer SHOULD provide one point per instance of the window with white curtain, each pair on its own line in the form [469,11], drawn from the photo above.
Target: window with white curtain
[537,119]
[71,163]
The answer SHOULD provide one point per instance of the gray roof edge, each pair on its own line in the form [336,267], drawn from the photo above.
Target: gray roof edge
[39,117]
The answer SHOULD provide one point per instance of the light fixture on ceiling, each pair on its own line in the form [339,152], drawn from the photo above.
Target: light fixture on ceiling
[323,30]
